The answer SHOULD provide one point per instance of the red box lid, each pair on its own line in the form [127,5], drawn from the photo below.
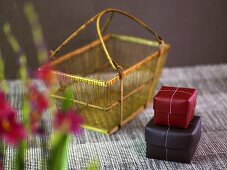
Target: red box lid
[175,100]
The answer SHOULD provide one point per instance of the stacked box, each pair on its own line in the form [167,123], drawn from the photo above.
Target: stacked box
[174,132]
[172,144]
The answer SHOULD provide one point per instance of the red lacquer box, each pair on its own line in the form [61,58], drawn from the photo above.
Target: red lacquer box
[174,106]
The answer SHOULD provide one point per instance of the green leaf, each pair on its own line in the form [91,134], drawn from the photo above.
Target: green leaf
[25,112]
[23,73]
[67,102]
[2,147]
[23,67]
[30,12]
[10,38]
[2,69]
[55,138]
[23,60]
[4,87]
[37,34]
[3,84]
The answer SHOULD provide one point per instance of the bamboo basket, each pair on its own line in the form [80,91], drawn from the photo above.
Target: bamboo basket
[114,77]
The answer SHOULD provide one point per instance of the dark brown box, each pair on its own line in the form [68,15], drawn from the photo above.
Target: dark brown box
[172,144]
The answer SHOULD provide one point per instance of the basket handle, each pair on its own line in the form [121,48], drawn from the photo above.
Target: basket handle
[74,34]
[98,16]
[114,65]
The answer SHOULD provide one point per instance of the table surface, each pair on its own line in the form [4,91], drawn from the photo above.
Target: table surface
[126,149]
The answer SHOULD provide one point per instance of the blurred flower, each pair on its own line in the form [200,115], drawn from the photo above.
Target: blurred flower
[2,98]
[38,128]
[38,100]
[1,165]
[10,130]
[39,103]
[35,118]
[44,73]
[68,121]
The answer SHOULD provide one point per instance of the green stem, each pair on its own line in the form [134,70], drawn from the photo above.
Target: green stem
[20,156]
[58,157]
[1,154]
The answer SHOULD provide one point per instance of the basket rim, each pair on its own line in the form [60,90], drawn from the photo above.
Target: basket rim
[111,80]
[95,43]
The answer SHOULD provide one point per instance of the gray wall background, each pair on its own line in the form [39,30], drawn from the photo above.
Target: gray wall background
[196,30]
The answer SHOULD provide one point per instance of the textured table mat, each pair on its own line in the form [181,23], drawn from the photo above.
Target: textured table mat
[126,148]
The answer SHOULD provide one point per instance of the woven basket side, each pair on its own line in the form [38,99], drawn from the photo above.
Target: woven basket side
[127,54]
[85,63]
[136,87]
[98,100]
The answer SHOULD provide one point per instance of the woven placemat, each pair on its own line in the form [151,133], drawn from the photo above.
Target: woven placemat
[126,148]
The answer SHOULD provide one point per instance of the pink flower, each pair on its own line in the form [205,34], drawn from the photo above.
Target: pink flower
[68,121]
[38,100]
[10,130]
[45,74]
